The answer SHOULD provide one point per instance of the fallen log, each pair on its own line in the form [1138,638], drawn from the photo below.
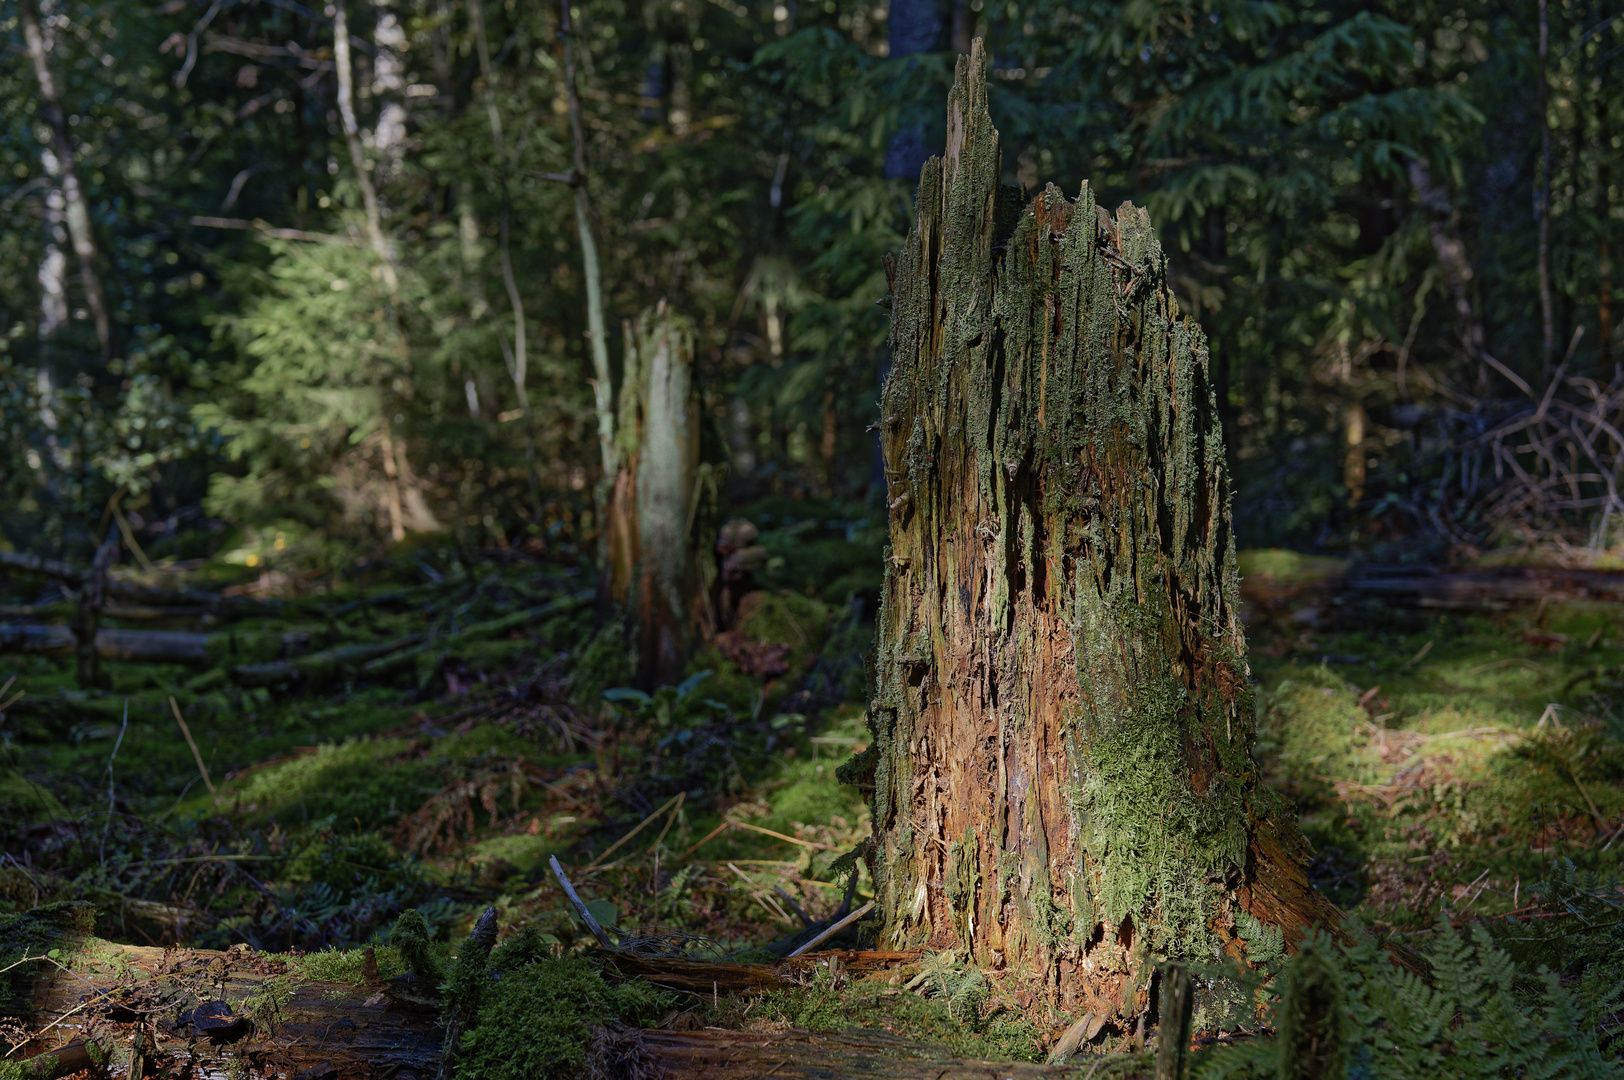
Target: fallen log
[1426,586]
[143,646]
[206,1014]
[317,668]
[216,1015]
[74,576]
[407,656]
[714,1054]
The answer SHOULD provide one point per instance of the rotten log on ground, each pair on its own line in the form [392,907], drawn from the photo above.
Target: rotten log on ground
[143,646]
[714,1054]
[75,576]
[1428,586]
[214,1014]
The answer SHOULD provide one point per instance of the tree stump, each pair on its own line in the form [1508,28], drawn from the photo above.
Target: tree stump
[663,511]
[1063,780]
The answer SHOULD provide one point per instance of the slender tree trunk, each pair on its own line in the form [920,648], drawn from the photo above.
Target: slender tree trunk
[1543,200]
[518,362]
[92,596]
[665,504]
[77,209]
[1062,770]
[352,137]
[1444,228]
[602,390]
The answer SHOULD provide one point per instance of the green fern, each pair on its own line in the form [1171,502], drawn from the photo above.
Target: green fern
[1473,1015]
[1265,945]
[960,987]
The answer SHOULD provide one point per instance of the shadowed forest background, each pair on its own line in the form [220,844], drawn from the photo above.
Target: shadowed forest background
[322,330]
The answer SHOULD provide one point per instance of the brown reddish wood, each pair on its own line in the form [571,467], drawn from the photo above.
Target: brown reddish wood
[1064,790]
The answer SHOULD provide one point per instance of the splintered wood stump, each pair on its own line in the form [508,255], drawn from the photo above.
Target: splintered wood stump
[1063,780]
[663,510]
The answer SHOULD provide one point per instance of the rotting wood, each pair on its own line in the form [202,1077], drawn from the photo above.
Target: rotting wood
[272,1021]
[1062,721]
[293,1024]
[144,646]
[662,514]
[856,1052]
[75,576]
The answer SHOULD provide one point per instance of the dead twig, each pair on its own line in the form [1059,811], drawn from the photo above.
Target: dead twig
[575,901]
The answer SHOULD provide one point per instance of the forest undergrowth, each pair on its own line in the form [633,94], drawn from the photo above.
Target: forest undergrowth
[425,735]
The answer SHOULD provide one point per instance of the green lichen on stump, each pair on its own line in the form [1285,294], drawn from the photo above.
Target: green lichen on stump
[1062,718]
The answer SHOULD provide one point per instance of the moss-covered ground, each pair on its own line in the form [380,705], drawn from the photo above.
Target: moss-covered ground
[1443,762]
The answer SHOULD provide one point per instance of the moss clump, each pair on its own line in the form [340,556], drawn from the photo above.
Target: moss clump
[411,937]
[541,1018]
[940,1019]
[353,781]
[606,661]
[348,965]
[23,802]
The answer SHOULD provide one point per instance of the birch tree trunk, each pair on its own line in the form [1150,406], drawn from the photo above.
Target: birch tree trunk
[352,138]
[66,172]
[1062,770]
[664,507]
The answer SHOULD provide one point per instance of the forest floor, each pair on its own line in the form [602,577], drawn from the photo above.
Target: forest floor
[477,722]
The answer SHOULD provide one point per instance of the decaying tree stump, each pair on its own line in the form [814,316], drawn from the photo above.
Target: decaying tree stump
[1062,769]
[662,514]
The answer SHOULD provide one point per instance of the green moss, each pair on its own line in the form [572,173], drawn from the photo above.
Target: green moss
[411,939]
[58,928]
[606,661]
[540,1019]
[1279,567]
[23,802]
[357,781]
[266,1004]
[346,965]
[821,1008]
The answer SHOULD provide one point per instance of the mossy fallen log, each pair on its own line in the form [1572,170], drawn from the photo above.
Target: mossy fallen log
[134,1010]
[214,1015]
[328,665]
[143,646]
[407,657]
[148,595]
[855,1052]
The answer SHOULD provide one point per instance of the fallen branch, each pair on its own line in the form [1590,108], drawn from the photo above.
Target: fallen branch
[575,901]
[833,930]
[317,668]
[146,646]
[407,656]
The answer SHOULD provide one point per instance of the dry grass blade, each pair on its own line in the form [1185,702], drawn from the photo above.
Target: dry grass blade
[202,769]
[671,804]
[724,826]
